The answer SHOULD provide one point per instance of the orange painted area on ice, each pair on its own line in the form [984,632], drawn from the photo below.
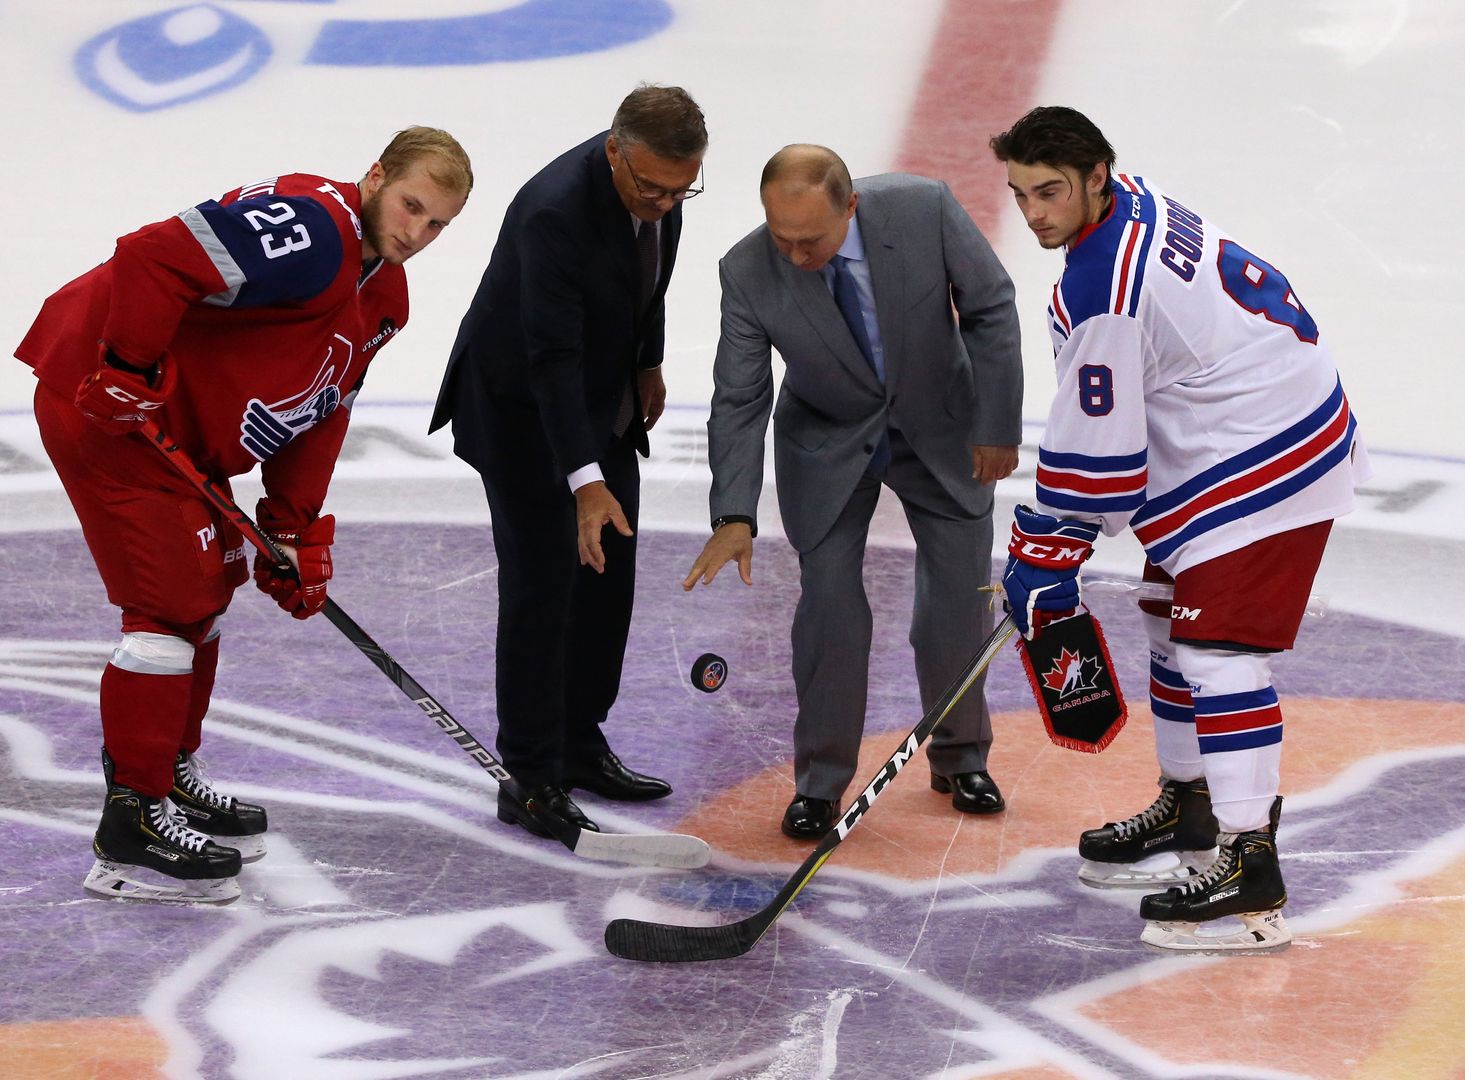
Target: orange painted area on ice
[94,1048]
[1367,1000]
[1052,794]
[1372,998]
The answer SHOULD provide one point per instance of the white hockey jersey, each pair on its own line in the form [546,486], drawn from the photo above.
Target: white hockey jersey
[1196,401]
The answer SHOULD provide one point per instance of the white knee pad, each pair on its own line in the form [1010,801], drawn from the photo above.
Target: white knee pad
[153,654]
[1213,672]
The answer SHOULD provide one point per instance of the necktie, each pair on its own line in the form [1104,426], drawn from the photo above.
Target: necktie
[646,250]
[847,299]
[646,255]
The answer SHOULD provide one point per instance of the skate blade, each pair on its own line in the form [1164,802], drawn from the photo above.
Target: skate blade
[1263,931]
[1165,869]
[120,881]
[250,848]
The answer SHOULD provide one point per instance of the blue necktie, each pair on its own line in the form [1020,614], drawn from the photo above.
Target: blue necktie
[847,299]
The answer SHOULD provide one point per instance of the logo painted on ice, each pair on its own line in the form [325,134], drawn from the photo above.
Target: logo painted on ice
[160,60]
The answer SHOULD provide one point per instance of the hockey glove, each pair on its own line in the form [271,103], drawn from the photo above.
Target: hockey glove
[302,593]
[1043,557]
[118,397]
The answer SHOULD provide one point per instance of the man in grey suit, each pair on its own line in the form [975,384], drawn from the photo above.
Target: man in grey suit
[899,337]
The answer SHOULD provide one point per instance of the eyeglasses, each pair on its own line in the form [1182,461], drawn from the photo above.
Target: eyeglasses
[656,194]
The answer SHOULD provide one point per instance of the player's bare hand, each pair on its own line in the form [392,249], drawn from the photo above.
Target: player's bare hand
[993,463]
[595,508]
[652,389]
[733,541]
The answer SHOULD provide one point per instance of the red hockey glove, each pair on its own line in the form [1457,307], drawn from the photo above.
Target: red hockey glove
[118,397]
[303,593]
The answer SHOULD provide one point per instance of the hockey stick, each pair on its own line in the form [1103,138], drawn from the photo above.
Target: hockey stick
[665,943]
[653,849]
[1164,591]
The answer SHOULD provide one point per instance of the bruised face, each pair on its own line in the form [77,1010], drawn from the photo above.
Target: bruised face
[402,216]
[806,228]
[1057,200]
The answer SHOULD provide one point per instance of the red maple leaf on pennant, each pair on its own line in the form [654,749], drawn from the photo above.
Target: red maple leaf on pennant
[1062,672]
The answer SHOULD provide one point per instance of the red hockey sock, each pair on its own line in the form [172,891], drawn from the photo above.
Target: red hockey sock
[143,721]
[205,664]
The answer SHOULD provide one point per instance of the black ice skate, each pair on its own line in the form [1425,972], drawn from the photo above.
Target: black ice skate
[207,810]
[1162,845]
[145,851]
[1245,881]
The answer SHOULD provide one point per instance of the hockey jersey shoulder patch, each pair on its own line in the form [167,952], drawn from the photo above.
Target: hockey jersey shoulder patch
[269,250]
[1105,273]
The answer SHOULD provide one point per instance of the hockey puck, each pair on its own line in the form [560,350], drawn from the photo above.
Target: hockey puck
[709,672]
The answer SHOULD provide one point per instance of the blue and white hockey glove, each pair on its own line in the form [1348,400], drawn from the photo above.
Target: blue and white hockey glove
[1043,558]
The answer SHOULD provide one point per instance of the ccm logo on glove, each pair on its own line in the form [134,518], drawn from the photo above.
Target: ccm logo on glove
[301,590]
[117,397]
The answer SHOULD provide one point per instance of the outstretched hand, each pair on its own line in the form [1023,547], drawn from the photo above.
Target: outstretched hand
[596,507]
[731,541]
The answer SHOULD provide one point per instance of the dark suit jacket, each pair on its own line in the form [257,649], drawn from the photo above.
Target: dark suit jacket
[555,322]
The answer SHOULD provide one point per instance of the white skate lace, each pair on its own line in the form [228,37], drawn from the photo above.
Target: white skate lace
[195,780]
[1148,818]
[171,825]
[1218,870]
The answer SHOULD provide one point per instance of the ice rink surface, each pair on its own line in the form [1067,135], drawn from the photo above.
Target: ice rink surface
[396,929]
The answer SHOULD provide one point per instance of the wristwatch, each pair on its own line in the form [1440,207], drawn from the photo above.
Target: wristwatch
[734,519]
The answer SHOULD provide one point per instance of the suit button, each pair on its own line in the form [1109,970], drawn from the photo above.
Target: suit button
[869,449]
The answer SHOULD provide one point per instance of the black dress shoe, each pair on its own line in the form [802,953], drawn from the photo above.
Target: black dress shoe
[607,777]
[809,819]
[971,792]
[513,812]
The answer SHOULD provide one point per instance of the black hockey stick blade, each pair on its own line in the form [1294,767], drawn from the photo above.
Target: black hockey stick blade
[674,850]
[668,943]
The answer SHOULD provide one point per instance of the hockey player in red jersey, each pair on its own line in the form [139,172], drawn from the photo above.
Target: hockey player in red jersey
[1198,406]
[243,327]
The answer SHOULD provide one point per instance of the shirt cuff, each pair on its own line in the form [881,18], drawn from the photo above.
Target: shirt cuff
[586,474]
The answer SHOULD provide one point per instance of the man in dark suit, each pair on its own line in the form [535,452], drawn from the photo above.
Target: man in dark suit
[552,384]
[899,337]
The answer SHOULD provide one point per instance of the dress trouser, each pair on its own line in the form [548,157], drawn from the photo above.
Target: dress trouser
[833,624]
[562,628]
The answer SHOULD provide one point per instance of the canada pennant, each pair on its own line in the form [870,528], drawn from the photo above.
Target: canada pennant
[1074,683]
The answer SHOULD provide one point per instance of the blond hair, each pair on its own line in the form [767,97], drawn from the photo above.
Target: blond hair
[448,166]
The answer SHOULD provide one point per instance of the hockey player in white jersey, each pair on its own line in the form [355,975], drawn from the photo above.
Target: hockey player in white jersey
[1199,406]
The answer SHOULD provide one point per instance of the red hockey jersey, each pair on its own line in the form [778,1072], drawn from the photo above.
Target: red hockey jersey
[261,301]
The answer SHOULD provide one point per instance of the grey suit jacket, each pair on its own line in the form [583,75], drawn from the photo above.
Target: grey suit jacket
[953,364]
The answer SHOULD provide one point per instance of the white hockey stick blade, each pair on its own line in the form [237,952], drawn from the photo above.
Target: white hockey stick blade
[675,850]
[1261,932]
